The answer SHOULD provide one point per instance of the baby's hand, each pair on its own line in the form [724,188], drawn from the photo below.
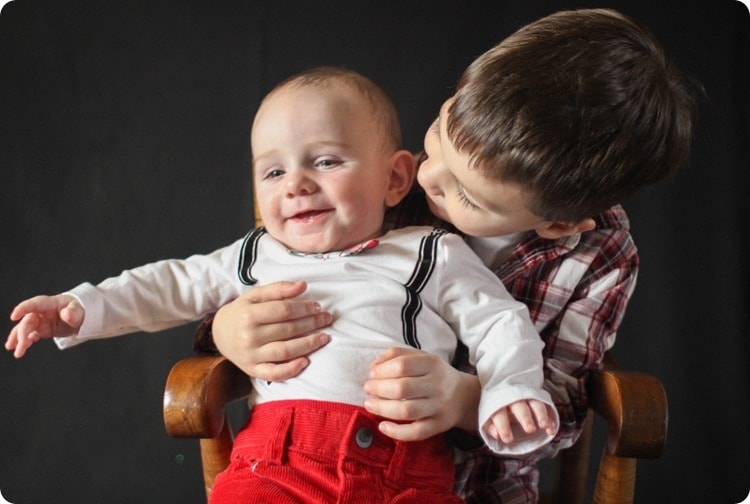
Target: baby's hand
[43,317]
[530,415]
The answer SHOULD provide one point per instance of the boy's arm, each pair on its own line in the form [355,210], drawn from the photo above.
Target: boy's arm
[43,317]
[577,301]
[268,332]
[577,342]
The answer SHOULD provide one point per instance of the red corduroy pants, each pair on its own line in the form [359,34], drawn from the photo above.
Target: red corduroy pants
[320,452]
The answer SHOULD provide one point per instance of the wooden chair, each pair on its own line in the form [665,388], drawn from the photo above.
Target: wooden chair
[633,406]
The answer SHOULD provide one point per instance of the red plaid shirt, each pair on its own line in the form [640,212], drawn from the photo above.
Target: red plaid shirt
[577,289]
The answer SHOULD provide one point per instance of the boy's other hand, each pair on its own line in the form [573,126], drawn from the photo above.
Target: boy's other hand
[43,317]
[268,333]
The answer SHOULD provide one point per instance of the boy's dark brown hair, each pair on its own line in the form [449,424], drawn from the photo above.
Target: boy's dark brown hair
[580,108]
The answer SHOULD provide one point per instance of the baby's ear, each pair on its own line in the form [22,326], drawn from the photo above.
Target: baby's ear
[403,173]
[553,230]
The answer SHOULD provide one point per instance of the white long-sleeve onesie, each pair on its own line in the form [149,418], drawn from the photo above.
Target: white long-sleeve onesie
[418,287]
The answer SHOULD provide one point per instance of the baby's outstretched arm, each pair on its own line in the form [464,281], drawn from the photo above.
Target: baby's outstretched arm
[43,317]
[529,415]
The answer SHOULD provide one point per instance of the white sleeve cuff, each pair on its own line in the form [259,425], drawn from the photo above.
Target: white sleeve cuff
[523,443]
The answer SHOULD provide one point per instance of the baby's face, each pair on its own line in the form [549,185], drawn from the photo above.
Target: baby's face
[320,170]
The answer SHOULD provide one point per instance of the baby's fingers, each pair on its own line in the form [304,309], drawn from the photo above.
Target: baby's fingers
[23,335]
[73,314]
[23,345]
[522,413]
[544,417]
[500,427]
[31,305]
[12,341]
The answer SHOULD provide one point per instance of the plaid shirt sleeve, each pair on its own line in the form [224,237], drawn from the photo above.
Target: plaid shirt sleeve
[577,290]
[203,342]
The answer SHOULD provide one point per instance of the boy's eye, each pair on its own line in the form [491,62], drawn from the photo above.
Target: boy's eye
[435,127]
[465,201]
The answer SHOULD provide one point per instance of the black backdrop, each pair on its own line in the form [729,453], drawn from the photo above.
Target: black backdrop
[124,139]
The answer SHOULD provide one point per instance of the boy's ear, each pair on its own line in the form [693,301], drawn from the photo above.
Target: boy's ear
[553,230]
[403,173]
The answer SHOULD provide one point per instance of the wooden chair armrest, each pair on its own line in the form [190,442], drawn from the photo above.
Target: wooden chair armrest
[196,393]
[634,405]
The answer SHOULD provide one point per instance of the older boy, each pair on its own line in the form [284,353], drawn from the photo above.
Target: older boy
[327,164]
[547,131]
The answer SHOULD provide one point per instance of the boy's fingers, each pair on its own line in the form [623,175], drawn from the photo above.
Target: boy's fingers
[283,311]
[282,351]
[281,371]
[275,291]
[414,431]
[400,363]
[288,329]
[389,354]
[399,389]
[409,410]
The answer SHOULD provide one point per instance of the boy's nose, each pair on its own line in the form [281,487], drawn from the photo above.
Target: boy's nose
[428,176]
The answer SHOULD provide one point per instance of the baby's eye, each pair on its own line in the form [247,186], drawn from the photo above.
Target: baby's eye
[272,174]
[326,162]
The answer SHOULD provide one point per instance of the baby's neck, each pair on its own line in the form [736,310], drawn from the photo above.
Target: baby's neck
[354,250]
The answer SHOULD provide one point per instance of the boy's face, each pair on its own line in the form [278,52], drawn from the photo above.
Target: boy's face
[458,193]
[320,169]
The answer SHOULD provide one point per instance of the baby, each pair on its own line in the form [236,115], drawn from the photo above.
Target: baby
[327,164]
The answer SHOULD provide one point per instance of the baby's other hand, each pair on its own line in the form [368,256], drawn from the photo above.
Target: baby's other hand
[43,317]
[529,415]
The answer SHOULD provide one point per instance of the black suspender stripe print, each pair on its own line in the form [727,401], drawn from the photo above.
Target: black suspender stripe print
[420,276]
[248,255]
